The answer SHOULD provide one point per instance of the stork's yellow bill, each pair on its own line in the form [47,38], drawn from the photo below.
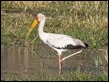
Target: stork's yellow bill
[35,22]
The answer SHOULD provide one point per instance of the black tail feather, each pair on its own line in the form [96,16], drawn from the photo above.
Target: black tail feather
[86,45]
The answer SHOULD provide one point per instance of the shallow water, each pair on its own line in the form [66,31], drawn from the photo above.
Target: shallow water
[21,62]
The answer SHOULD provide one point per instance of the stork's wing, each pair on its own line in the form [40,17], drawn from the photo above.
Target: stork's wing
[61,41]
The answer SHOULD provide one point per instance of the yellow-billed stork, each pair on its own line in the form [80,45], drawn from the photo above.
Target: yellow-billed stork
[58,42]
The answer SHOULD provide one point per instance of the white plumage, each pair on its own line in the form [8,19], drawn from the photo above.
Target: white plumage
[59,42]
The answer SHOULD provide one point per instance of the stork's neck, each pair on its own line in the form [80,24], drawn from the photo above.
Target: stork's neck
[41,26]
[41,32]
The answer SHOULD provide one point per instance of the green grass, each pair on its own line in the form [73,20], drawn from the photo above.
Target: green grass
[76,75]
[86,20]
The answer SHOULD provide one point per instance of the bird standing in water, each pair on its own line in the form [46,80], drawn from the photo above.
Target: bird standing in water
[58,42]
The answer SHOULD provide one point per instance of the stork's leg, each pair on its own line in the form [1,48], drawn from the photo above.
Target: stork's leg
[60,65]
[71,55]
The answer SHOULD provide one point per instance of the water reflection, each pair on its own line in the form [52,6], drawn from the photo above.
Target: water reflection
[22,62]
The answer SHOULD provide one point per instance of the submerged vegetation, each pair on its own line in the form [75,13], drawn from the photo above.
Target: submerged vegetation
[85,20]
